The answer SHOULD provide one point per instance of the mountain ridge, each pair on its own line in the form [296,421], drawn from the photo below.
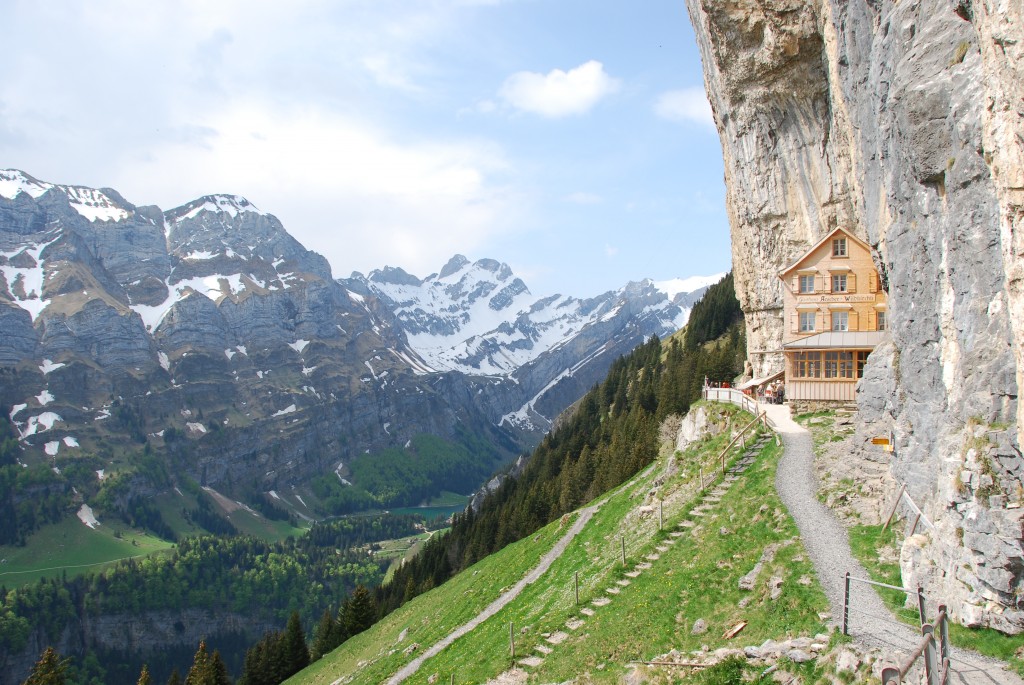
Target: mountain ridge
[235,349]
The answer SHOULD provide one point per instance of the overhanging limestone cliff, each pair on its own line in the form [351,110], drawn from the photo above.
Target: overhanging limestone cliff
[901,122]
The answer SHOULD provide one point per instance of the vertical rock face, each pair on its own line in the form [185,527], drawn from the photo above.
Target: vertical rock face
[901,122]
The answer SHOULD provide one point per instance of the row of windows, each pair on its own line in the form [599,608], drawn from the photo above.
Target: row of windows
[840,364]
[840,321]
[841,283]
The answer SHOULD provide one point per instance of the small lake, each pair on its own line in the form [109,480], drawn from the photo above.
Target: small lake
[430,512]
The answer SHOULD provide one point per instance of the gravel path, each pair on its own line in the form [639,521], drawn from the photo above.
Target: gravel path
[496,606]
[826,541]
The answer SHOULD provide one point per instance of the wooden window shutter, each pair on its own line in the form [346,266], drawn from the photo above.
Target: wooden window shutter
[826,283]
[872,323]
[826,320]
[851,282]
[854,321]
[873,281]
[796,283]
[794,322]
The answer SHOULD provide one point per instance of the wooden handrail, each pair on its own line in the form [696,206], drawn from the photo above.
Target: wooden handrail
[733,441]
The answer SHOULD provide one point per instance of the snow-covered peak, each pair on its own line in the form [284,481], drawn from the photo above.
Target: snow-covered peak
[94,205]
[13,182]
[675,286]
[232,205]
[479,318]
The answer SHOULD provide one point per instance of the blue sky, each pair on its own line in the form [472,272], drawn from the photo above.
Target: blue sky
[570,139]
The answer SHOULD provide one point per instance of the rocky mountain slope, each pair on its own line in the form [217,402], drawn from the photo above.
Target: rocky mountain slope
[900,122]
[208,334]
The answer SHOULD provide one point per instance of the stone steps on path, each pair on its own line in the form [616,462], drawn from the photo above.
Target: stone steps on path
[557,638]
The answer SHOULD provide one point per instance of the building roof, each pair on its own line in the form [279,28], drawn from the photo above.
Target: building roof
[805,255]
[833,340]
[756,382]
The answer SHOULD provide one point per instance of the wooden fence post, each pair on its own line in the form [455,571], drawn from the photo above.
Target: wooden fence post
[846,606]
[661,515]
[700,470]
[920,603]
[577,576]
[944,633]
[512,639]
[895,506]
[623,540]
[913,528]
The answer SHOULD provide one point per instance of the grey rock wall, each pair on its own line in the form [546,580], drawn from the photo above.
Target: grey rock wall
[900,121]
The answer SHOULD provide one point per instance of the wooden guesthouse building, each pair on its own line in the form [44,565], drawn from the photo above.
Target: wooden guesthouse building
[835,311]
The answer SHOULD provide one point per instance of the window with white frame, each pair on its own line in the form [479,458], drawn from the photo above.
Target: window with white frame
[839,283]
[807,284]
[840,321]
[839,247]
[880,322]
[806,322]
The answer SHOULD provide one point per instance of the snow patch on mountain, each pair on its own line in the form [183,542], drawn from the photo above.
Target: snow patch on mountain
[38,424]
[25,275]
[232,205]
[213,287]
[94,205]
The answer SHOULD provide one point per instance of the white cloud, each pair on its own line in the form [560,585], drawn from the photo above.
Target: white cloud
[687,105]
[610,251]
[341,186]
[559,93]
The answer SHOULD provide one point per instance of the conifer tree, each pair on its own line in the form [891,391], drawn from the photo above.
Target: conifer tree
[219,670]
[175,678]
[49,670]
[144,677]
[323,637]
[207,669]
[360,611]
[293,652]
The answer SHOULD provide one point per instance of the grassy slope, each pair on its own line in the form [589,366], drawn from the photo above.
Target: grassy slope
[650,617]
[72,547]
